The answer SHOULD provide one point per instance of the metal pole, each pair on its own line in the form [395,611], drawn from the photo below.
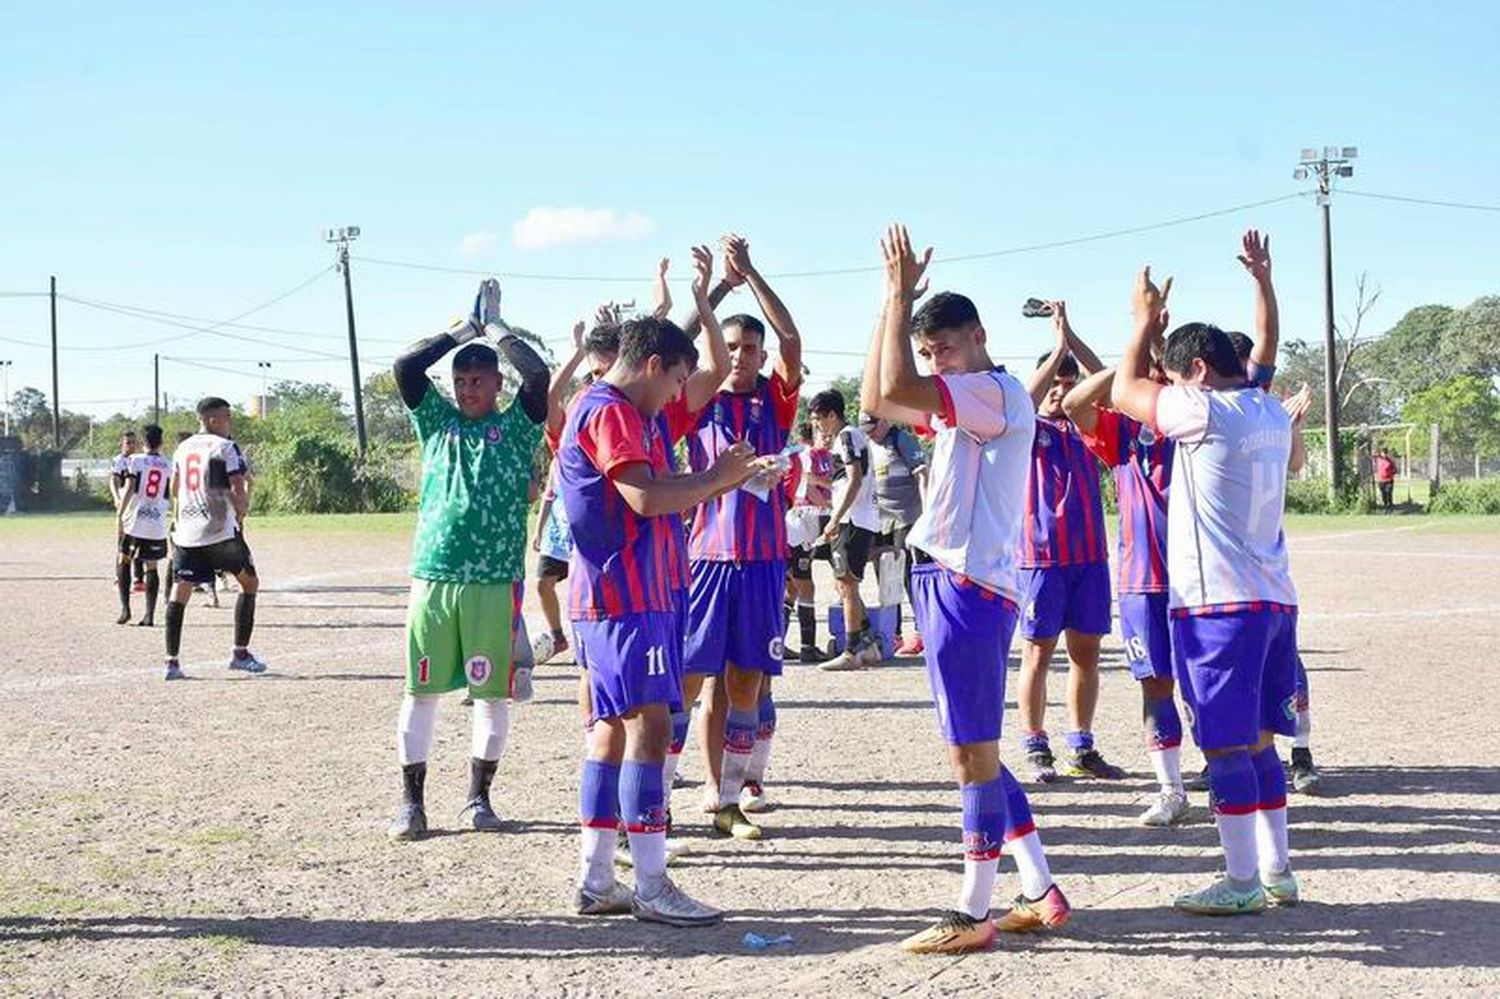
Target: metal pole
[156,389]
[5,402]
[56,409]
[359,396]
[1330,347]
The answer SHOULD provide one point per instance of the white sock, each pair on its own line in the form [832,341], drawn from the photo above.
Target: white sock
[414,726]
[648,855]
[756,770]
[979,886]
[1167,763]
[1237,836]
[596,858]
[1271,841]
[491,729]
[669,774]
[1031,863]
[1303,738]
[732,777]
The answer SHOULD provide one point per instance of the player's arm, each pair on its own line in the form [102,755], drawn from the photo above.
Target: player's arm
[663,293]
[1087,359]
[411,367]
[239,494]
[649,496]
[703,383]
[1255,255]
[1297,407]
[124,500]
[1134,392]
[541,522]
[854,469]
[870,399]
[1084,399]
[532,393]
[694,321]
[1040,382]
[900,381]
[557,389]
[789,353]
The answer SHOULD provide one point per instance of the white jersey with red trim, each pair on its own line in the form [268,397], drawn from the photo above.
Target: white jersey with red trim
[205,463]
[976,489]
[145,515]
[1225,545]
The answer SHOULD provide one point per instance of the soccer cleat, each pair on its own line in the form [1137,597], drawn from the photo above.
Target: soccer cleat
[482,815]
[730,820]
[1304,773]
[869,653]
[613,901]
[1043,768]
[520,684]
[248,663]
[674,907]
[139,587]
[1223,899]
[1198,782]
[811,655]
[1169,809]
[174,672]
[911,646]
[1090,764]
[844,662]
[753,797]
[124,617]
[146,622]
[1026,915]
[409,824]
[955,933]
[1281,888]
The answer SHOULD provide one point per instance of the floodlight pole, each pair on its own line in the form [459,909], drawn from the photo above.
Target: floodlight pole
[56,407]
[341,237]
[5,391]
[156,389]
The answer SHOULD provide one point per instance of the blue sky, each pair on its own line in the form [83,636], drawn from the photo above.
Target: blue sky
[186,158]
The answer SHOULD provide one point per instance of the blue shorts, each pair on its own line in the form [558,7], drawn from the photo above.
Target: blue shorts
[966,630]
[1148,639]
[1238,674]
[734,615]
[633,661]
[1065,598]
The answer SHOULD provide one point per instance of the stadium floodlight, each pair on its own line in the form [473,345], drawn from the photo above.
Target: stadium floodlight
[1351,152]
[1300,173]
[1308,155]
[1346,171]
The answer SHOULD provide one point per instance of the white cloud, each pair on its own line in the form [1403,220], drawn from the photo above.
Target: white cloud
[476,242]
[546,226]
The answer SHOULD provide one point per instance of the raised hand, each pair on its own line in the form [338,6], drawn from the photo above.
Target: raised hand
[737,265]
[1149,303]
[663,293]
[487,305]
[703,272]
[1297,406]
[904,272]
[608,314]
[579,329]
[1060,321]
[1255,254]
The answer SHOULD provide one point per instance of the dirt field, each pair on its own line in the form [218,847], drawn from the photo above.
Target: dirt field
[227,834]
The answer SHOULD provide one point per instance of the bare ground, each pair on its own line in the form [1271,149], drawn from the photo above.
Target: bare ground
[226,834]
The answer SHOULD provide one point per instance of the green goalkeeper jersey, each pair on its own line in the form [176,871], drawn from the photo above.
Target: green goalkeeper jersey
[476,476]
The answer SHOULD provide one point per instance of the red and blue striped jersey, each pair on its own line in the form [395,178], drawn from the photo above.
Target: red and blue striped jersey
[622,562]
[739,526]
[1064,515]
[674,422]
[1142,464]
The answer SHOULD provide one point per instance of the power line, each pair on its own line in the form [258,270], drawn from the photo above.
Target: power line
[1420,201]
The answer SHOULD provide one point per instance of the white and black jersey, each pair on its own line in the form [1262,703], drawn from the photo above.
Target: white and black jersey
[145,515]
[852,448]
[205,464]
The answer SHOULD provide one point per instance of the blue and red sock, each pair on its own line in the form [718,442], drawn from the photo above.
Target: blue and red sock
[599,795]
[642,802]
[1232,779]
[1163,724]
[984,819]
[1270,779]
[1018,820]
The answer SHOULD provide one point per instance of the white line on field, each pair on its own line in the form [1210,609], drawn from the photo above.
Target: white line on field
[1397,554]
[1437,612]
[1363,534]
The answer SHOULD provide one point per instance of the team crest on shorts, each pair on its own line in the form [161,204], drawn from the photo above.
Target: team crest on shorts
[777,649]
[478,669]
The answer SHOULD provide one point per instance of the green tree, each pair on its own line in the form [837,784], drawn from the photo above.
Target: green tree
[385,413]
[1466,410]
[1416,353]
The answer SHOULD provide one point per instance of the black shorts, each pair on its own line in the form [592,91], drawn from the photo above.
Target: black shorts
[850,551]
[145,549]
[892,539]
[548,567]
[799,563]
[198,565]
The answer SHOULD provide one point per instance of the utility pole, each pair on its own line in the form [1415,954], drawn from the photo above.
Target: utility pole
[341,237]
[265,374]
[1333,161]
[56,409]
[5,402]
[156,389]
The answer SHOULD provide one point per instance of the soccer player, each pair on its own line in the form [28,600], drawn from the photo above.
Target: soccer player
[1233,605]
[738,547]
[143,522]
[469,549]
[1141,461]
[810,497]
[119,472]
[900,481]
[1064,566]
[851,529]
[616,482]
[964,583]
[208,482]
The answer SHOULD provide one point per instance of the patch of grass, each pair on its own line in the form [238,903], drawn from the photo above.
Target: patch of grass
[159,976]
[227,946]
[40,898]
[218,836]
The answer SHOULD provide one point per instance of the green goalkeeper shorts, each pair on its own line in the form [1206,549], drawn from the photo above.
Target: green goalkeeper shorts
[459,634]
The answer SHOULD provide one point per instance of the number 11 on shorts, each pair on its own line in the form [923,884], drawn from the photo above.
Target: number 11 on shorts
[656,661]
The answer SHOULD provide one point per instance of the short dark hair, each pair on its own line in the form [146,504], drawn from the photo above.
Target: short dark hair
[647,337]
[804,431]
[827,401]
[153,435]
[1066,368]
[128,432]
[209,403]
[603,339]
[1243,345]
[1201,341]
[476,357]
[944,311]
[749,324]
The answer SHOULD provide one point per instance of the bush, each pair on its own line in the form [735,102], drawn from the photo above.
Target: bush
[316,473]
[1311,496]
[1468,496]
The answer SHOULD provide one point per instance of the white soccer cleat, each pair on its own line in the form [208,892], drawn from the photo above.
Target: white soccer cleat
[844,662]
[674,907]
[753,797]
[1169,809]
